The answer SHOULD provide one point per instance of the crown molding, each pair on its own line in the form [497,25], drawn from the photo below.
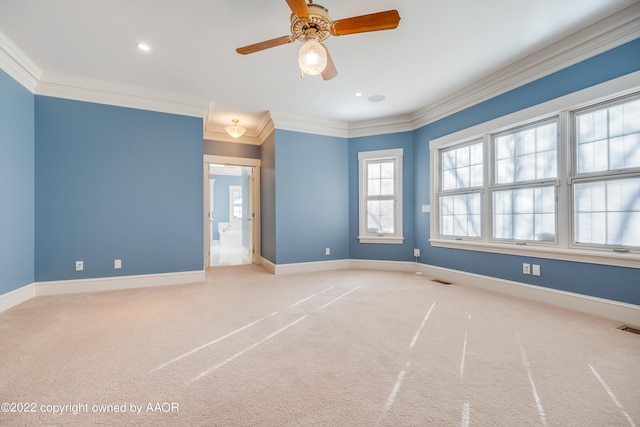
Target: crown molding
[611,32]
[383,125]
[604,35]
[306,125]
[17,65]
[68,87]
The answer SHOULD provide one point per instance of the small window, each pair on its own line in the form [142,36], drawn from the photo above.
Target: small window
[380,177]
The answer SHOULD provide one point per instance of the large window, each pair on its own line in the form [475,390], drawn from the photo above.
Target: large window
[563,184]
[380,177]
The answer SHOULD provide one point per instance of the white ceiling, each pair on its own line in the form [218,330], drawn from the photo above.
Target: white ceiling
[438,48]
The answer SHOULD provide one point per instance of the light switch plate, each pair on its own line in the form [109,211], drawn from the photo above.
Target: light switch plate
[536,270]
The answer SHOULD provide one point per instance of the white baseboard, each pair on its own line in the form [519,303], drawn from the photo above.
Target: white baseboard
[620,311]
[366,264]
[308,267]
[17,296]
[268,265]
[59,287]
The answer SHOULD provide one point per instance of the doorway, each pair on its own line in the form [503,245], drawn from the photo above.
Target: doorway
[231,214]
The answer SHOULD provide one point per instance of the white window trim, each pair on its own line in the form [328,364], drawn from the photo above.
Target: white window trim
[563,250]
[395,154]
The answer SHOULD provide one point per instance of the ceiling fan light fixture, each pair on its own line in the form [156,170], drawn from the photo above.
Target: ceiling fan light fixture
[312,57]
[234,130]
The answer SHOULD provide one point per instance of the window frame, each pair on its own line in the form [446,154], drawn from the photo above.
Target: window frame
[493,186]
[364,158]
[563,248]
[603,176]
[462,191]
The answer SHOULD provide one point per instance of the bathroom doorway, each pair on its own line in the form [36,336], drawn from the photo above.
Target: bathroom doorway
[230,219]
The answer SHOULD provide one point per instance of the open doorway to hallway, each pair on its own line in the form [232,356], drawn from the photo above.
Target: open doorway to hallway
[231,211]
[230,207]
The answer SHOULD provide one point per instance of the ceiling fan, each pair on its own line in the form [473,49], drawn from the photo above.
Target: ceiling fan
[312,24]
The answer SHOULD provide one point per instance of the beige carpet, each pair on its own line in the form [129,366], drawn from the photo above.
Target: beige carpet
[247,348]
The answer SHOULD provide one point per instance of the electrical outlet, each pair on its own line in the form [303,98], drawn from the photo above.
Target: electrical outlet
[526,268]
[536,270]
[117,263]
[79,265]
[327,251]
[416,253]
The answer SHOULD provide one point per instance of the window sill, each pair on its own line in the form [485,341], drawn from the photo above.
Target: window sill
[381,239]
[631,260]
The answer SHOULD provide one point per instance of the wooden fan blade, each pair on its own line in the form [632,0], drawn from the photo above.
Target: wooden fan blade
[387,20]
[299,8]
[329,71]
[264,45]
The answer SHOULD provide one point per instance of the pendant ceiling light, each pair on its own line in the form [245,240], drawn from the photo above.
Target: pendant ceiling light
[312,57]
[235,130]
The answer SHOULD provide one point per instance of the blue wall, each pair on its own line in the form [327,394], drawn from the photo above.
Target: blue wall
[16,185]
[312,197]
[616,283]
[110,182]
[374,251]
[113,182]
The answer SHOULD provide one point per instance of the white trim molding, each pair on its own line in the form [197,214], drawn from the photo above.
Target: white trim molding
[62,287]
[17,65]
[308,125]
[306,267]
[619,311]
[69,87]
[614,310]
[17,296]
[611,32]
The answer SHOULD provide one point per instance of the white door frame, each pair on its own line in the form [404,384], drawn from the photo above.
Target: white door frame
[255,226]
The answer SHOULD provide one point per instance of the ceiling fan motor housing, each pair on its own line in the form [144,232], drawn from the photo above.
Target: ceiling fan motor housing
[319,21]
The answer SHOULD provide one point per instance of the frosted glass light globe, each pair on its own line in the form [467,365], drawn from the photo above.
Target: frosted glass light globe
[312,57]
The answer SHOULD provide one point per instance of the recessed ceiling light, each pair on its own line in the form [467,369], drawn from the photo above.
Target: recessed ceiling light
[143,46]
[377,98]
[358,94]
